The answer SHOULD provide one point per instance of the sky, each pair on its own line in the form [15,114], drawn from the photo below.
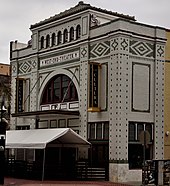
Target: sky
[16,16]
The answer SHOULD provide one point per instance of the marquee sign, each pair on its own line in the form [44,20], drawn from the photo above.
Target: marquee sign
[60,58]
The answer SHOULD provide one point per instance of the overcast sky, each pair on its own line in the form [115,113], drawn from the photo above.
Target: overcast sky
[16,16]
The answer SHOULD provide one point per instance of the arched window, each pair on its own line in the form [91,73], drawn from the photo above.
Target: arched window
[65,35]
[71,34]
[59,89]
[53,39]
[42,42]
[59,38]
[47,41]
[78,32]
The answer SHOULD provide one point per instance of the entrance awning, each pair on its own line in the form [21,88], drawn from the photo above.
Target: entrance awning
[41,138]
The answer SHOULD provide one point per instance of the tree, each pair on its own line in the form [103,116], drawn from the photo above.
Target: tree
[5,96]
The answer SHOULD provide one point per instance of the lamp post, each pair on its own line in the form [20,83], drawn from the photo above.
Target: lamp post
[2,144]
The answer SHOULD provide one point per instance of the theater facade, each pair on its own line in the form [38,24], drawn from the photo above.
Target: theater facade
[99,73]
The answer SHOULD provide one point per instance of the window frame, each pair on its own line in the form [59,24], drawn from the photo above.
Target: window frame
[53,42]
[135,158]
[65,36]
[72,34]
[64,84]
[59,38]
[42,42]
[47,41]
[78,32]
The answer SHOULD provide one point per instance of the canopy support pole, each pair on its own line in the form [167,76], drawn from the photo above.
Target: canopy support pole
[43,171]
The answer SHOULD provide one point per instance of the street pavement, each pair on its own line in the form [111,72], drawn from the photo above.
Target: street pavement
[21,182]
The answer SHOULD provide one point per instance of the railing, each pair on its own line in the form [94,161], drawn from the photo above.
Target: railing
[85,172]
[31,170]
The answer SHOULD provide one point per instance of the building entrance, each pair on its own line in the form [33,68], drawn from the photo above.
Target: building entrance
[99,155]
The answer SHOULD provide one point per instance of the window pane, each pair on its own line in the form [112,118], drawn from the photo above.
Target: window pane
[99,130]
[47,41]
[132,132]
[78,32]
[148,127]
[92,131]
[42,42]
[65,35]
[140,129]
[106,131]
[53,39]
[71,34]
[56,89]
[49,94]
[59,37]
[57,93]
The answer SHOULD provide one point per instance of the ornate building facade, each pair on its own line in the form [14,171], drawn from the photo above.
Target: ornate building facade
[100,73]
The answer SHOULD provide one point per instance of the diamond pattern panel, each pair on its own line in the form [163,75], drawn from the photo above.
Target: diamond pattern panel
[141,48]
[100,49]
[24,67]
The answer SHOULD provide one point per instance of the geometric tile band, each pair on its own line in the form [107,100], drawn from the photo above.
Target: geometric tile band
[100,49]
[141,48]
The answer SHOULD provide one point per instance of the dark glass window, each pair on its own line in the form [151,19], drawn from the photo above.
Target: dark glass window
[59,38]
[135,147]
[78,32]
[92,131]
[47,41]
[42,42]
[71,34]
[106,131]
[98,130]
[132,132]
[65,35]
[149,129]
[59,89]
[53,39]
[140,129]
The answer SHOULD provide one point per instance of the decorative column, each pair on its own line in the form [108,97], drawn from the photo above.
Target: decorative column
[119,77]
[83,95]
[159,100]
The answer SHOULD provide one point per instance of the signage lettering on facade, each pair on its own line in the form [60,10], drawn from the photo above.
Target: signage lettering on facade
[20,95]
[93,85]
[60,58]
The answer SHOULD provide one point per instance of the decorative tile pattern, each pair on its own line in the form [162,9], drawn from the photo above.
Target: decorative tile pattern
[114,44]
[141,48]
[100,49]
[14,69]
[83,52]
[124,44]
[24,67]
[34,64]
[160,51]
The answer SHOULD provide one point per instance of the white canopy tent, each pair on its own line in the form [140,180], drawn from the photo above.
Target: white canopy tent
[42,138]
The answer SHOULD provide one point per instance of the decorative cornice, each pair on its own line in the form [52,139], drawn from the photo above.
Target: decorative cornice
[81,6]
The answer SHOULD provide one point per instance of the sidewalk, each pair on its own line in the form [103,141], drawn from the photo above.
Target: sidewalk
[22,182]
